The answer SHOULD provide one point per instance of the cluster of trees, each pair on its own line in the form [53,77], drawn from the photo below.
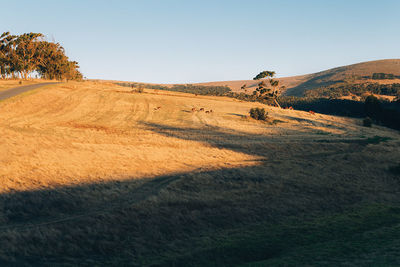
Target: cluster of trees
[387,114]
[343,89]
[185,88]
[338,107]
[382,112]
[383,76]
[246,97]
[22,55]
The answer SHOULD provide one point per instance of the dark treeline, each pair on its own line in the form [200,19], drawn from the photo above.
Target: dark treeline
[22,55]
[384,76]
[343,89]
[339,107]
[382,112]
[387,113]
[185,88]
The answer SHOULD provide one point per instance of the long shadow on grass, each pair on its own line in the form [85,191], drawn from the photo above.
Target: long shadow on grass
[251,144]
[165,220]
[155,221]
[270,148]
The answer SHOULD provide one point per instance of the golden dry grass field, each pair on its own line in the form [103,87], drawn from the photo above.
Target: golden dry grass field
[81,133]
[93,174]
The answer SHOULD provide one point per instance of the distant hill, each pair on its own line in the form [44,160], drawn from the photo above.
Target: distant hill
[235,86]
[296,85]
[336,75]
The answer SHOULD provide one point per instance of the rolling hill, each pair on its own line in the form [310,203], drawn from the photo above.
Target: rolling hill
[96,175]
[296,85]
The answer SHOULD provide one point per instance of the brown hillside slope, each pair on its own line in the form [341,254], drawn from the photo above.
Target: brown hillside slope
[335,75]
[296,85]
[235,86]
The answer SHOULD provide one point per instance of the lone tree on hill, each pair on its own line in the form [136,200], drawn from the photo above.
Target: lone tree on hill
[270,89]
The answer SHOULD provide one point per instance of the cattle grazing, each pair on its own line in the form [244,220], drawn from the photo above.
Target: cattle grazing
[201,109]
[193,109]
[312,112]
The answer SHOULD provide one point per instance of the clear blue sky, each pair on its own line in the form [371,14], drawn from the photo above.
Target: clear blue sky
[193,41]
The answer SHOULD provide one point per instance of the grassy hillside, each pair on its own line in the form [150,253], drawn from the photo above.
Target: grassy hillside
[332,76]
[297,85]
[93,174]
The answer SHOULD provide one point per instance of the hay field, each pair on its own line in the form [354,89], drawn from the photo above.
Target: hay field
[81,133]
[94,174]
[73,134]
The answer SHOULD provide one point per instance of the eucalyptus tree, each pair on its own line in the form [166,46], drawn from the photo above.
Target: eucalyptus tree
[7,54]
[54,64]
[20,55]
[51,58]
[27,50]
[270,89]
[3,56]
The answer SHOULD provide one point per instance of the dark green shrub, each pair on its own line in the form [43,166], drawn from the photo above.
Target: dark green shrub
[372,106]
[395,169]
[258,114]
[382,76]
[367,122]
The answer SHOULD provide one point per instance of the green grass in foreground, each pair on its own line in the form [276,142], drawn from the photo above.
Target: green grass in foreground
[369,236]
